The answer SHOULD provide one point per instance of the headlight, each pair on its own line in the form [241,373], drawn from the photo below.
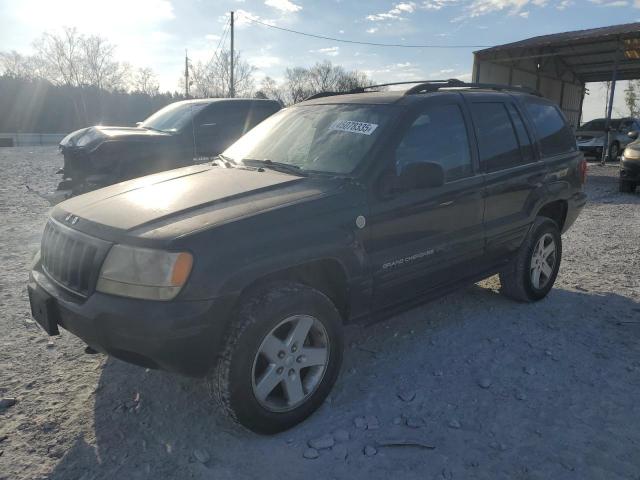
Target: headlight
[144,273]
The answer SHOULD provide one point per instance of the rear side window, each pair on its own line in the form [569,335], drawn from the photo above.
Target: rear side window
[438,135]
[497,140]
[523,137]
[554,135]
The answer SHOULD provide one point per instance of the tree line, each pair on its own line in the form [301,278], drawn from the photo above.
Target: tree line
[74,80]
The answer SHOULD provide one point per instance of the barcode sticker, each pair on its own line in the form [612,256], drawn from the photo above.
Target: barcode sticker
[353,127]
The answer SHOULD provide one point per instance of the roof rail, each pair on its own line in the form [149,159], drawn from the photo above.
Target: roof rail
[426,86]
[435,85]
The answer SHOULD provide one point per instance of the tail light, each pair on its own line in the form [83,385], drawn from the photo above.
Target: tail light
[582,170]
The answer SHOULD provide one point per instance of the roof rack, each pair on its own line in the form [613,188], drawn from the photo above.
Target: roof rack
[435,85]
[427,86]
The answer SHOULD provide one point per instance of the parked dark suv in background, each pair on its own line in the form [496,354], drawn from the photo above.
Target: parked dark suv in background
[172,137]
[338,208]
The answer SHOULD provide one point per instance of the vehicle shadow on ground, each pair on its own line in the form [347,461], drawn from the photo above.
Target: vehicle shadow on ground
[153,424]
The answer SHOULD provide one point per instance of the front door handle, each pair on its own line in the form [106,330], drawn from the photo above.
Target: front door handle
[446,204]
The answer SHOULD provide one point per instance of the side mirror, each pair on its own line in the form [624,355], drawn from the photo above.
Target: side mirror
[138,124]
[420,175]
[633,134]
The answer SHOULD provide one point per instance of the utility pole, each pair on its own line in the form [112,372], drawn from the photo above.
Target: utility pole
[186,74]
[232,92]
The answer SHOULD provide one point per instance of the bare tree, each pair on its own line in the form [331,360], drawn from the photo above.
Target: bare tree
[270,89]
[98,66]
[631,98]
[73,59]
[16,65]
[301,83]
[146,82]
[297,85]
[212,79]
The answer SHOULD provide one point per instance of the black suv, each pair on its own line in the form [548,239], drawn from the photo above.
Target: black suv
[173,137]
[329,211]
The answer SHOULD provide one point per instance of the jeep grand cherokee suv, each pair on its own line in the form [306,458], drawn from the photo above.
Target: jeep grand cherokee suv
[340,207]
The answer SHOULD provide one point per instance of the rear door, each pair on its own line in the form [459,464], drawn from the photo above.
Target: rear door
[420,239]
[514,175]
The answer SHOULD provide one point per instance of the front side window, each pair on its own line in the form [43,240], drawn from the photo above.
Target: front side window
[554,135]
[321,138]
[437,135]
[173,117]
[497,140]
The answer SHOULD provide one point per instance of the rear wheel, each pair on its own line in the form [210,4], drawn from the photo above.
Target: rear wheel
[281,357]
[532,273]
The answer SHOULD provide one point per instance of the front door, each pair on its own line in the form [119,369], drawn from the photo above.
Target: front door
[421,239]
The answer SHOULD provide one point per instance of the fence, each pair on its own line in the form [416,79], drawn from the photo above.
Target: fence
[29,139]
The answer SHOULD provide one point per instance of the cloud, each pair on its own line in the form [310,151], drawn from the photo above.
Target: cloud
[329,51]
[395,13]
[283,5]
[611,3]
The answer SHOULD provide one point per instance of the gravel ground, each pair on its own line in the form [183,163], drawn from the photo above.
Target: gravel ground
[482,387]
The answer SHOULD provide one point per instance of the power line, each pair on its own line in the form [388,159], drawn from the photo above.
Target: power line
[399,45]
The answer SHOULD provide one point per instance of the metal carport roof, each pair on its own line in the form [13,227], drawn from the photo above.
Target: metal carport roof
[590,55]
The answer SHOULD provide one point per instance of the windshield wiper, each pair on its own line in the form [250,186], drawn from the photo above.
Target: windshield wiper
[278,166]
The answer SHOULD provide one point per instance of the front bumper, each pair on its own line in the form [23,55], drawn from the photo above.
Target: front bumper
[630,170]
[183,337]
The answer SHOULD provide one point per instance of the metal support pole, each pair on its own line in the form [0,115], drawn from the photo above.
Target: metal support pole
[232,92]
[607,126]
[186,74]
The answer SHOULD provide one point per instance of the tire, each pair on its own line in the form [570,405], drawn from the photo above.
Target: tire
[263,348]
[627,187]
[518,279]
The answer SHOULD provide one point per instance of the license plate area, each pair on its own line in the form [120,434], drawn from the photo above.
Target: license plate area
[44,310]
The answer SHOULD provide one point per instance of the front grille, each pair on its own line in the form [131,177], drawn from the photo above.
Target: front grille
[70,258]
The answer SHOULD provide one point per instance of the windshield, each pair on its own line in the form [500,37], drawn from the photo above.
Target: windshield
[321,138]
[173,117]
[599,124]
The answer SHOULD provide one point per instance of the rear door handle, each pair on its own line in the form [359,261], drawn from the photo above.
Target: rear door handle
[446,204]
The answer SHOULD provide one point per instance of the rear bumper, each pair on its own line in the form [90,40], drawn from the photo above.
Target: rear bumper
[574,206]
[630,170]
[182,337]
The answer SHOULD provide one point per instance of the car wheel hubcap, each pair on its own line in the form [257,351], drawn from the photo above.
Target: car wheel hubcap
[543,261]
[290,363]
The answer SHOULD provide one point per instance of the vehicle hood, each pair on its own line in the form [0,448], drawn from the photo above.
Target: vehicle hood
[91,137]
[193,197]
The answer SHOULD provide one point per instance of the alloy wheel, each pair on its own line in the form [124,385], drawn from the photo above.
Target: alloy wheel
[290,363]
[543,261]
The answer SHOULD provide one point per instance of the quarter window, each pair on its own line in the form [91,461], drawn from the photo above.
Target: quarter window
[438,135]
[497,140]
[554,135]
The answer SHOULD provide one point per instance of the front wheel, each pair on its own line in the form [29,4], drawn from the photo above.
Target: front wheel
[281,357]
[533,271]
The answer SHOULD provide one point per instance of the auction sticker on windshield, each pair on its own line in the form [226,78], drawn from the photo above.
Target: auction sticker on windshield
[353,127]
